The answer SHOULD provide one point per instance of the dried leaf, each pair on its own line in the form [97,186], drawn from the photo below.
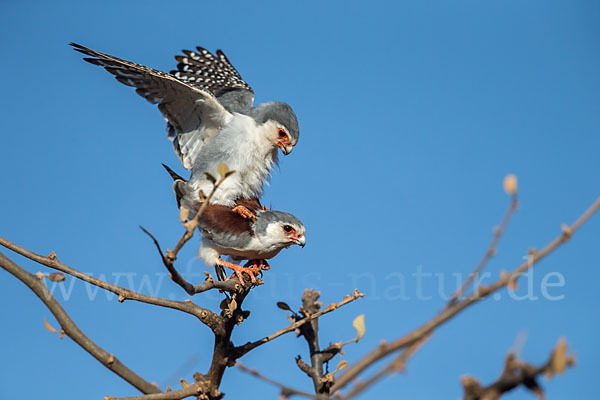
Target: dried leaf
[283,306]
[49,327]
[210,177]
[184,383]
[559,357]
[341,365]
[510,184]
[201,195]
[359,325]
[229,173]
[184,213]
[232,305]
[222,169]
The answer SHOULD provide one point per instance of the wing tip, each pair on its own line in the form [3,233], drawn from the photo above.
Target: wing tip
[174,175]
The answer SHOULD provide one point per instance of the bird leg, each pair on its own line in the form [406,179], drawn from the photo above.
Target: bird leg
[244,212]
[238,269]
[264,208]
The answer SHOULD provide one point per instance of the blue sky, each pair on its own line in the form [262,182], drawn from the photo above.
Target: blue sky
[411,114]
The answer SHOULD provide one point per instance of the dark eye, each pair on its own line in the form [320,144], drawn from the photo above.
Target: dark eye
[282,134]
[288,228]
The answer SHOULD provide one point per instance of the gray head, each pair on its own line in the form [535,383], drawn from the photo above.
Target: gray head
[281,123]
[279,228]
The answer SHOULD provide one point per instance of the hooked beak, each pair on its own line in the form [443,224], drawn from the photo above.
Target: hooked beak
[285,149]
[301,241]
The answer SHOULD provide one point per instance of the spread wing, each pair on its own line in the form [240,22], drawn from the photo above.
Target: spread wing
[192,112]
[215,73]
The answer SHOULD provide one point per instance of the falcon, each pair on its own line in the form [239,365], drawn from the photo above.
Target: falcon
[211,120]
[226,232]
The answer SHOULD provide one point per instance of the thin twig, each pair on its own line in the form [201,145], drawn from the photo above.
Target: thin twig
[399,362]
[208,317]
[491,251]
[194,389]
[230,285]
[72,330]
[446,314]
[286,391]
[243,349]
[396,365]
[193,223]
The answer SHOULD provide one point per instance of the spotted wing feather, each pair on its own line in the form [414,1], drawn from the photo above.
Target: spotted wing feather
[202,69]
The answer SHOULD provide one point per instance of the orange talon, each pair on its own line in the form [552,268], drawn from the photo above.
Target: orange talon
[258,265]
[244,212]
[264,265]
[264,208]
[238,269]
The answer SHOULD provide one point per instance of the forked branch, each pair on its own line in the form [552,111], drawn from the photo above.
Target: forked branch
[519,373]
[385,349]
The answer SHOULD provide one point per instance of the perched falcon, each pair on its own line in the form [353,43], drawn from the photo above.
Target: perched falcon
[210,119]
[225,232]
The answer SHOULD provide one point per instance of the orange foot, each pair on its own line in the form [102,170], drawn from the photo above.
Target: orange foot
[244,212]
[238,269]
[258,265]
[264,208]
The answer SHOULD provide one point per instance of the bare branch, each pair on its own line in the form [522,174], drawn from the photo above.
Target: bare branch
[310,332]
[518,373]
[207,317]
[241,350]
[286,391]
[491,251]
[449,312]
[72,330]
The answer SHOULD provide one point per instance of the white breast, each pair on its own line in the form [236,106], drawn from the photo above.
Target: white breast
[244,147]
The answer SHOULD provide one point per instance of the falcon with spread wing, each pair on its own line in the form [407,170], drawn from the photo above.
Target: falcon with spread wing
[211,119]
